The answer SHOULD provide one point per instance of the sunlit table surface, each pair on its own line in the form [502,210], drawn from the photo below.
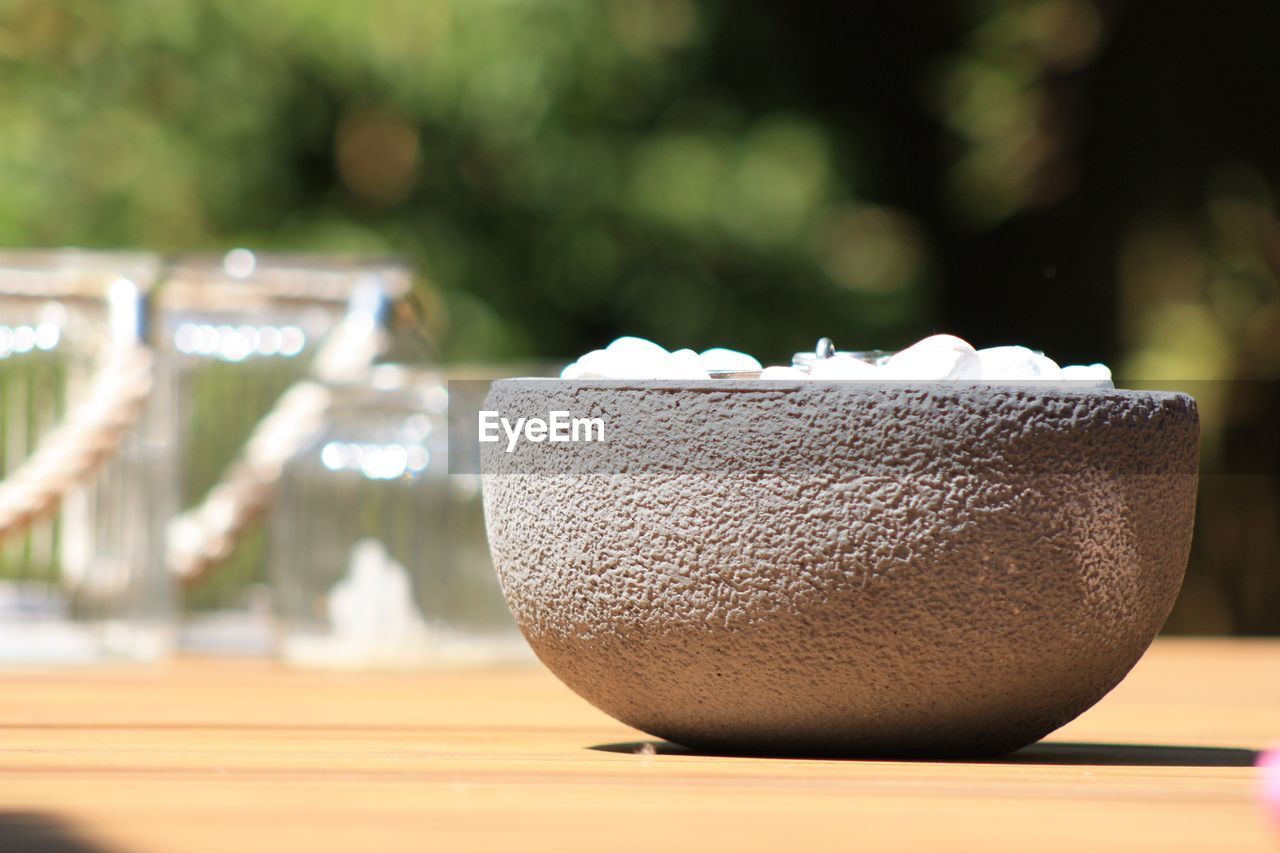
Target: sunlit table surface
[247,755]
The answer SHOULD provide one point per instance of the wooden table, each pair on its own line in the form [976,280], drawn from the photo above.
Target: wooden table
[239,756]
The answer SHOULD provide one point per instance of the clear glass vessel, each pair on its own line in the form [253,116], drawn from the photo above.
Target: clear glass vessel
[82,576]
[378,554]
[238,331]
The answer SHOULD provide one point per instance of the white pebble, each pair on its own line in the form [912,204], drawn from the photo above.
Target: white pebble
[594,365]
[683,364]
[844,366]
[935,357]
[636,349]
[636,358]
[1087,372]
[1048,368]
[1095,375]
[727,360]
[1015,363]
[629,358]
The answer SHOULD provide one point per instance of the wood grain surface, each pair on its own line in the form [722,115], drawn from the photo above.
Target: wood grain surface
[246,755]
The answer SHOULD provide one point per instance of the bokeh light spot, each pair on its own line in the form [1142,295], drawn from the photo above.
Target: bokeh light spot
[377,155]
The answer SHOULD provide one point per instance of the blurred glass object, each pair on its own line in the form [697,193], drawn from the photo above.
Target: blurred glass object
[378,553]
[238,330]
[82,575]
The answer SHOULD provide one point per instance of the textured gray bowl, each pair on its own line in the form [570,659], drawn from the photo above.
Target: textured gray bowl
[841,568]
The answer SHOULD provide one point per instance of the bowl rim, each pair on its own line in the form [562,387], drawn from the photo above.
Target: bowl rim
[966,387]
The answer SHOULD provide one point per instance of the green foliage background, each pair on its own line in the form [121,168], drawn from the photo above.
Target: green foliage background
[559,169]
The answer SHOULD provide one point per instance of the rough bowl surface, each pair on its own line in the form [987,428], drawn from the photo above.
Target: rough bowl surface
[841,568]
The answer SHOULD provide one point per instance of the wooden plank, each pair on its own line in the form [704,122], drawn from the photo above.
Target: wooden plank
[245,755]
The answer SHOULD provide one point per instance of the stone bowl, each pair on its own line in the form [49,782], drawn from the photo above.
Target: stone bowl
[832,568]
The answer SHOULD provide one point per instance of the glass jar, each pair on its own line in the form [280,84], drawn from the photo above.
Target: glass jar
[378,554]
[239,330]
[82,578]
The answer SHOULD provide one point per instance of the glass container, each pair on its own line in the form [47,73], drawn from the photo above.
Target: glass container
[378,554]
[239,330]
[82,575]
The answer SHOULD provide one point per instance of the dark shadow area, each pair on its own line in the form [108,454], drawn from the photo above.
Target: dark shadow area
[1081,754]
[1131,755]
[31,832]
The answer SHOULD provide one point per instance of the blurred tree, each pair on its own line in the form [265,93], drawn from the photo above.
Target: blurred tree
[563,170]
[1094,178]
